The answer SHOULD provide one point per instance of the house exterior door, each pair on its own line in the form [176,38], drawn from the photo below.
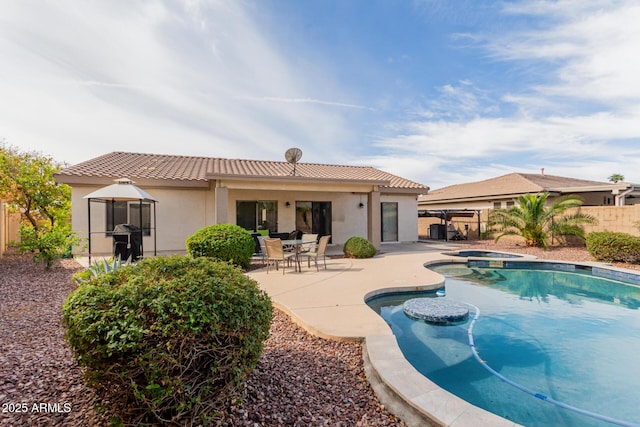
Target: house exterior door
[257,215]
[389,216]
[314,217]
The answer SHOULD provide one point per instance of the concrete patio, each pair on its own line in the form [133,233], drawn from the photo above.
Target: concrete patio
[331,303]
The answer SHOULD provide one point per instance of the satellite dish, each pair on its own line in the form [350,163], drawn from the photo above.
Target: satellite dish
[293,156]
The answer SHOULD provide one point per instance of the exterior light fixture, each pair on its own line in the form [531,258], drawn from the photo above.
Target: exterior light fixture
[287,204]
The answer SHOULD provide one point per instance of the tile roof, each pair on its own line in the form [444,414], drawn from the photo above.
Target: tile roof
[175,167]
[510,184]
[136,165]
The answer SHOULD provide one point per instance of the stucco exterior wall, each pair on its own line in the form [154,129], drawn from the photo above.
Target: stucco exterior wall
[407,218]
[347,218]
[182,211]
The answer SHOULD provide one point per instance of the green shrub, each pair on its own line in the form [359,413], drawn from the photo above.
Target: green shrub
[614,247]
[47,244]
[168,340]
[226,242]
[359,247]
[99,267]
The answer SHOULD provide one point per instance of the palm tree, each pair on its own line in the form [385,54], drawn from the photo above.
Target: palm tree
[532,219]
[616,177]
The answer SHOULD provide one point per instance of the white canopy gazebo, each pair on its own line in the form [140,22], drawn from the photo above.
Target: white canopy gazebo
[122,190]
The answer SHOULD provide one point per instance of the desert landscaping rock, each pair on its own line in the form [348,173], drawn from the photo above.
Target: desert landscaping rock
[301,380]
[40,383]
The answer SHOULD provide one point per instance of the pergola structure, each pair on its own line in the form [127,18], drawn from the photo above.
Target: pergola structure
[447,214]
[123,190]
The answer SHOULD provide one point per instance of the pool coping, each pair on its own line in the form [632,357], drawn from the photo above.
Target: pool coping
[332,304]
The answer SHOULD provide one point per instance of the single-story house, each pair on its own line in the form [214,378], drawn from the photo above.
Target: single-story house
[261,196]
[468,201]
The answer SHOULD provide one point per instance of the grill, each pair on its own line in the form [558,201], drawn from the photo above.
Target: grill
[127,240]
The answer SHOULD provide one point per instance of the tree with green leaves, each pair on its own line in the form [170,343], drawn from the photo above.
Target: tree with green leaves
[616,177]
[28,186]
[535,221]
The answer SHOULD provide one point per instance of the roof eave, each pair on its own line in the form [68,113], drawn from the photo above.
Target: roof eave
[614,188]
[483,198]
[403,190]
[147,182]
[296,179]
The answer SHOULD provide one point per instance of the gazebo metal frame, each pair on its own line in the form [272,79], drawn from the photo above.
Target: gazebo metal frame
[123,190]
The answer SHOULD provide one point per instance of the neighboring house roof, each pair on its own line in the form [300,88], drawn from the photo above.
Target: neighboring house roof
[515,184]
[189,168]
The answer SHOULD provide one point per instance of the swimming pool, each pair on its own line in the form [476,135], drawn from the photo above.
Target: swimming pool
[570,336]
[483,254]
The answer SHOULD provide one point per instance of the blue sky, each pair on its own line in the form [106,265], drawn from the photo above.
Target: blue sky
[438,91]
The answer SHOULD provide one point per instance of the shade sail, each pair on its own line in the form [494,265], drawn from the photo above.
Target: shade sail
[122,190]
[448,214]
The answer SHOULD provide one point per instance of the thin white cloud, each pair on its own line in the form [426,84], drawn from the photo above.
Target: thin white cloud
[168,77]
[309,101]
[104,84]
[207,78]
[581,121]
[595,44]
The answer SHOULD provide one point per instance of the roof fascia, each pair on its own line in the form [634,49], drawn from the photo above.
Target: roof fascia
[591,188]
[400,190]
[481,198]
[295,179]
[77,180]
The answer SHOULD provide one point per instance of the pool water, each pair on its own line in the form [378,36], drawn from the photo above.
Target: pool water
[485,254]
[572,337]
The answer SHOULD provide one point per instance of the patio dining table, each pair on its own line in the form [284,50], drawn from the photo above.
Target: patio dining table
[297,245]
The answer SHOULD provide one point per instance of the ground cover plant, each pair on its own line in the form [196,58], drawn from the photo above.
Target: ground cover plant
[226,242]
[168,340]
[359,247]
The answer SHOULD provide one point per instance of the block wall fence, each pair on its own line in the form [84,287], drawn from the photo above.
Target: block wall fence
[624,219]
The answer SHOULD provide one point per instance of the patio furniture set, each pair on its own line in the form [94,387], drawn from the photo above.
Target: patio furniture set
[275,251]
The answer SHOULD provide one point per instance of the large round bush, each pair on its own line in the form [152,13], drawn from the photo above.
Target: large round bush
[168,339]
[613,247]
[226,242]
[359,247]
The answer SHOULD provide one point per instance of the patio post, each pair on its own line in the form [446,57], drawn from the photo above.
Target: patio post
[89,227]
[374,226]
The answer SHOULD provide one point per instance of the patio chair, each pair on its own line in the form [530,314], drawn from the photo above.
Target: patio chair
[309,242]
[295,235]
[276,254]
[263,249]
[317,252]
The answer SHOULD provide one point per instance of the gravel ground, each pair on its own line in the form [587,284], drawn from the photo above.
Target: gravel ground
[565,253]
[301,380]
[38,374]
